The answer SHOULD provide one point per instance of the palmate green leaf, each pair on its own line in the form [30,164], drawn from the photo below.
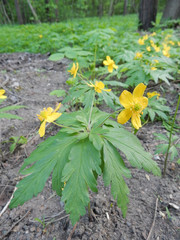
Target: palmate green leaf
[11,108]
[9,116]
[162,148]
[58,93]
[56,57]
[51,154]
[113,172]
[131,147]
[78,175]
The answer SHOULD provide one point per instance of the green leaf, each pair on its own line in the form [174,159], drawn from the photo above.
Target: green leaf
[131,147]
[115,83]
[11,108]
[96,140]
[52,153]
[162,148]
[114,169]
[174,152]
[9,116]
[178,161]
[56,57]
[151,114]
[58,93]
[160,136]
[78,175]
[108,100]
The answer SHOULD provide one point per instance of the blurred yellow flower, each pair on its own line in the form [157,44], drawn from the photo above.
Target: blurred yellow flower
[2,92]
[98,87]
[145,37]
[110,63]
[48,115]
[153,68]
[138,55]
[172,43]
[74,69]
[156,48]
[40,36]
[148,48]
[134,103]
[153,34]
[156,61]
[152,94]
[141,41]
[178,43]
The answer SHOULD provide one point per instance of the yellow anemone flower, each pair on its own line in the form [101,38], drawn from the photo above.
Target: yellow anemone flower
[74,69]
[156,61]
[156,48]
[134,103]
[2,92]
[48,115]
[178,43]
[148,48]
[98,87]
[166,53]
[153,34]
[110,63]
[153,68]
[40,36]
[152,94]
[138,55]
[145,37]
[141,41]
[172,43]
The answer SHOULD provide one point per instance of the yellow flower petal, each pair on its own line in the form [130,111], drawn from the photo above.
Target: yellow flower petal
[58,107]
[139,90]
[126,99]
[2,91]
[105,63]
[144,102]
[53,117]
[136,121]
[42,128]
[110,68]
[124,116]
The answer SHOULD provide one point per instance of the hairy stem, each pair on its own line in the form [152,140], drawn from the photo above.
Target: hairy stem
[170,136]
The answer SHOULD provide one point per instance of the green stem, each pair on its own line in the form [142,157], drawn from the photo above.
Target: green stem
[93,71]
[64,126]
[170,136]
[89,210]
[90,114]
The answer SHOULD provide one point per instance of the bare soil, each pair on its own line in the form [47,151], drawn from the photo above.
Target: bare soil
[28,79]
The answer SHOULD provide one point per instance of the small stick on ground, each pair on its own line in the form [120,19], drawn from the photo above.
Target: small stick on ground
[7,204]
[155,213]
[71,234]
[15,224]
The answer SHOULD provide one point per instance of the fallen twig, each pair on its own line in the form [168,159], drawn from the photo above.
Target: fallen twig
[155,213]
[7,204]
[71,234]
[15,225]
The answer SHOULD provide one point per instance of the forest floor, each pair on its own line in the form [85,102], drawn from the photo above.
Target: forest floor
[28,79]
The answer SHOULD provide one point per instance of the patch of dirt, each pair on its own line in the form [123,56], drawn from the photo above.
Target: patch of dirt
[28,79]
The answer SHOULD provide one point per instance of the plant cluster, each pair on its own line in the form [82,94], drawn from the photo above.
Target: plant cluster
[89,144]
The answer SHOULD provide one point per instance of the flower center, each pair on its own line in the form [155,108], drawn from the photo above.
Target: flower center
[137,107]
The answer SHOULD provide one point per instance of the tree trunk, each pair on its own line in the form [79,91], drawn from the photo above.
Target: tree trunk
[100,10]
[33,11]
[147,14]
[171,10]
[5,13]
[111,8]
[18,12]
[57,10]
[125,11]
